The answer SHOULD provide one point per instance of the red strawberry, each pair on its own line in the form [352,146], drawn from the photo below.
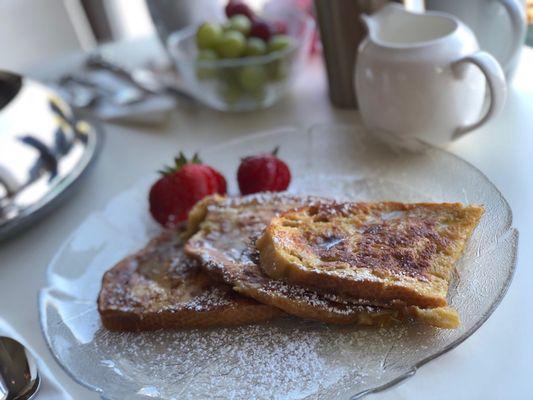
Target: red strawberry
[181,187]
[263,172]
[235,7]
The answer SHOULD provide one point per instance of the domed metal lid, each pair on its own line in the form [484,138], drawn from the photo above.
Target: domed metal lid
[44,148]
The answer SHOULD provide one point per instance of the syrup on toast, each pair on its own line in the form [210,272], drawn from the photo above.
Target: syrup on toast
[376,251]
[160,288]
[224,244]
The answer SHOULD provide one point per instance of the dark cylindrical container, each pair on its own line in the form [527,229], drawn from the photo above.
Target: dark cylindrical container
[341,31]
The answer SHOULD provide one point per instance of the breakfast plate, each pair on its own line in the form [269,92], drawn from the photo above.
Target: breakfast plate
[286,358]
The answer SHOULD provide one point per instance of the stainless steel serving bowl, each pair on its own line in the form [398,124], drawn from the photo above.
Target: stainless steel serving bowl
[45,147]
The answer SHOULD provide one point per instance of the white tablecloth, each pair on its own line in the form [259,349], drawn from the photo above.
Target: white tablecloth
[495,363]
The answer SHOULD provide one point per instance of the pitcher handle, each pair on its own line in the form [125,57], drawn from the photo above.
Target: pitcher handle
[495,82]
[517,15]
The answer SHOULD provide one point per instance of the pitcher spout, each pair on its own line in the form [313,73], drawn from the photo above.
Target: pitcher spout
[369,24]
[394,26]
[374,22]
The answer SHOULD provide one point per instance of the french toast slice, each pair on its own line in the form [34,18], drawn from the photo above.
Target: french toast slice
[377,251]
[224,244]
[160,288]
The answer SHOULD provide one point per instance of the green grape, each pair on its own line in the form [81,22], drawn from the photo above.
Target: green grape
[229,75]
[252,78]
[259,95]
[231,45]
[239,23]
[279,42]
[208,35]
[255,47]
[207,55]
[277,70]
[206,72]
[230,93]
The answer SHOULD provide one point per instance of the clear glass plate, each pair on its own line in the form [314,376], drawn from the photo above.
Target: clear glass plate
[289,358]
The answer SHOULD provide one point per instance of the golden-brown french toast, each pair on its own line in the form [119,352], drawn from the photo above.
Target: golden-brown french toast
[224,244]
[376,251]
[160,288]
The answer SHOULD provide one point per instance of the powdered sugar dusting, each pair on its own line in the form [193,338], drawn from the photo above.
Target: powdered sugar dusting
[160,278]
[225,246]
[286,359]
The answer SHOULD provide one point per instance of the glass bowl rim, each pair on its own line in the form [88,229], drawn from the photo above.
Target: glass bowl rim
[176,38]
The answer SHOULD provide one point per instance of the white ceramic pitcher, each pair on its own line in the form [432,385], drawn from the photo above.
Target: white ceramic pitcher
[499,25]
[422,77]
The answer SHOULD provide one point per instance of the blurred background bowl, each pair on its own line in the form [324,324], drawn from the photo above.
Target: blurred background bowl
[246,83]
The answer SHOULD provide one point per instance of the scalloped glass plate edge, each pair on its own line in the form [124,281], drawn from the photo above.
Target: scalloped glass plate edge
[409,374]
[513,233]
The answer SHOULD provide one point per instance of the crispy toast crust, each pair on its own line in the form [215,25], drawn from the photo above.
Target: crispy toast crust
[160,288]
[378,251]
[225,247]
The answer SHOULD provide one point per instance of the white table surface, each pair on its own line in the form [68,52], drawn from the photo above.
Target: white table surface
[495,363]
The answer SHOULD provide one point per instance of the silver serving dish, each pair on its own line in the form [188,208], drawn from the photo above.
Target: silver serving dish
[45,147]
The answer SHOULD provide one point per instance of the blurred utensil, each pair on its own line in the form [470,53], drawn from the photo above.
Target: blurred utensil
[142,79]
[83,92]
[96,61]
[116,94]
[150,79]
[19,378]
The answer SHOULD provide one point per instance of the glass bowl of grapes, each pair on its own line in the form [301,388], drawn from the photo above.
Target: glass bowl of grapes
[244,62]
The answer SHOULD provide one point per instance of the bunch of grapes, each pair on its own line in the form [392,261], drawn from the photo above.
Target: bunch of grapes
[244,34]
